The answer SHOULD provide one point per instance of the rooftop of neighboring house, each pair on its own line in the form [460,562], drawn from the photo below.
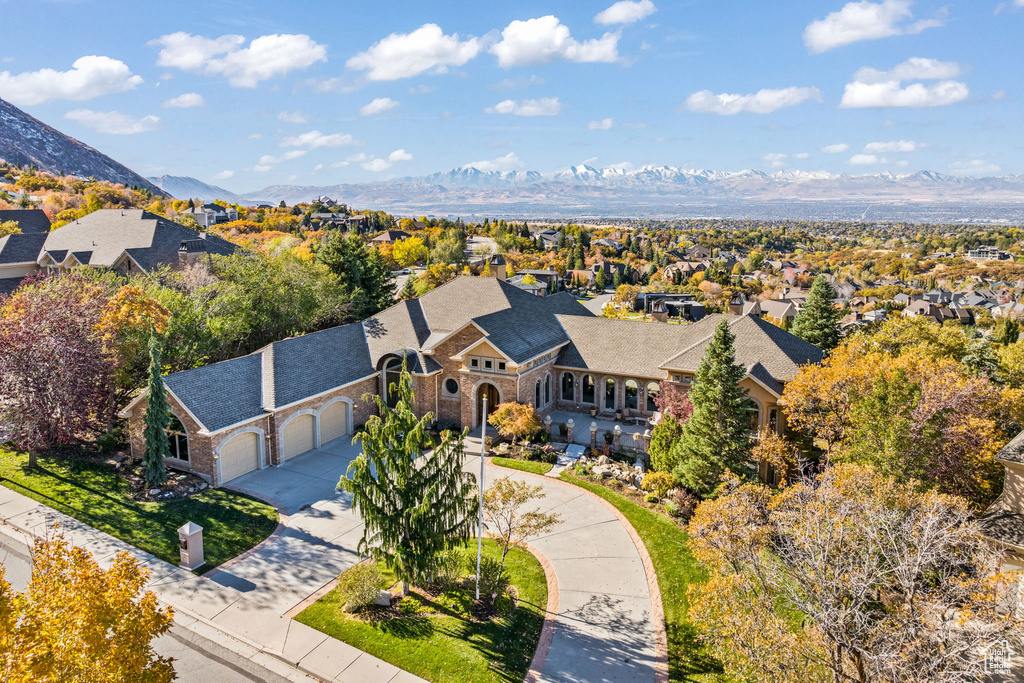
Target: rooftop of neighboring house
[28,220]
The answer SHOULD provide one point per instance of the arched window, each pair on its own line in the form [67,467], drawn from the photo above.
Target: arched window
[568,390]
[589,392]
[547,389]
[653,390]
[536,394]
[753,416]
[392,376]
[632,389]
[178,439]
[609,394]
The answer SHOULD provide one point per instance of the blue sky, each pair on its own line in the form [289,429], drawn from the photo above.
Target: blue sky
[249,94]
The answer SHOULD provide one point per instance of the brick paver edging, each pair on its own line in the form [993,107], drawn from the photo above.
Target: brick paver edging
[657,611]
[282,524]
[547,632]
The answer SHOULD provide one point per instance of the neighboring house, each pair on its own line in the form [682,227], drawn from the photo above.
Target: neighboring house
[124,240]
[780,309]
[550,238]
[471,338]
[209,215]
[609,243]
[338,221]
[325,200]
[663,306]
[697,253]
[938,296]
[30,221]
[536,288]
[390,237]
[686,269]
[988,254]
[1004,519]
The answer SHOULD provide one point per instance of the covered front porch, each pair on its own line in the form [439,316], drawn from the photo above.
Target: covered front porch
[631,430]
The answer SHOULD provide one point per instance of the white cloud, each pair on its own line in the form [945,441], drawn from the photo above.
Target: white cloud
[546,106]
[603,124]
[863,20]
[762,102]
[894,146]
[974,166]
[774,160]
[801,155]
[837,148]
[339,164]
[262,167]
[627,12]
[1018,3]
[361,156]
[903,163]
[293,117]
[399,155]
[915,68]
[189,99]
[509,162]
[255,136]
[244,67]
[859,95]
[425,50]
[377,106]
[268,159]
[539,41]
[315,138]
[90,76]
[113,122]
[866,159]
[224,175]
[376,165]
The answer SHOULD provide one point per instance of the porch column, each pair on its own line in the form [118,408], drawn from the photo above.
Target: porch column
[570,427]
[593,435]
[617,438]
[547,425]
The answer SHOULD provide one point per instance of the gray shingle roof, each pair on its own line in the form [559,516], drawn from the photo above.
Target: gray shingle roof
[23,248]
[314,363]
[625,347]
[30,221]
[1013,451]
[1004,526]
[9,284]
[529,328]
[395,329]
[221,394]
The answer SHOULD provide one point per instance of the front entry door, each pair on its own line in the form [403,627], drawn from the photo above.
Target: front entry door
[491,392]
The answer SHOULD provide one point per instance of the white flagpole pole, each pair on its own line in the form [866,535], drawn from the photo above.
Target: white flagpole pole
[480,535]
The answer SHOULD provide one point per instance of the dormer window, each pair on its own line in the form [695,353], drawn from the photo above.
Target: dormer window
[474,363]
[501,366]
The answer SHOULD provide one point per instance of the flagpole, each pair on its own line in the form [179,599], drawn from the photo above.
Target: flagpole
[480,535]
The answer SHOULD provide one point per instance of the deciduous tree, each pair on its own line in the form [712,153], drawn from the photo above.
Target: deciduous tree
[504,516]
[515,420]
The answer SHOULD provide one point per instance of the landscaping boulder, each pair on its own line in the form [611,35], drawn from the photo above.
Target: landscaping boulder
[602,460]
[383,599]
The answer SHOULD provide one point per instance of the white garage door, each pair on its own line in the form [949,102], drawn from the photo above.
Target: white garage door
[333,422]
[298,436]
[239,456]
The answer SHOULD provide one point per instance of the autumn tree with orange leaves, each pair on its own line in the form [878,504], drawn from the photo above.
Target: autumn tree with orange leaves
[515,420]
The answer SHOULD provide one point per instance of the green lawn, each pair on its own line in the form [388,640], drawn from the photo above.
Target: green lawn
[668,545]
[93,493]
[449,647]
[524,465]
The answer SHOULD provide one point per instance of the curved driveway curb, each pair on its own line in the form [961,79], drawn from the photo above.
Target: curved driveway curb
[282,524]
[550,617]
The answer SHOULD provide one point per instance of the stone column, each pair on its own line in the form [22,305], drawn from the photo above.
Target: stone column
[645,459]
[617,438]
[593,435]
[570,427]
[547,425]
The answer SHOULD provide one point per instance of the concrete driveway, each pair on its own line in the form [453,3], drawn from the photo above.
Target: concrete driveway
[321,534]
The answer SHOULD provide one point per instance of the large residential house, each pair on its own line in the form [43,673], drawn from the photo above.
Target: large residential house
[1004,520]
[125,240]
[209,215]
[471,338]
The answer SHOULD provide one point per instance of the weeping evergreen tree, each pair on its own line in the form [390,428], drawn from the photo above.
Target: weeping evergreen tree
[156,420]
[818,322]
[717,436]
[415,502]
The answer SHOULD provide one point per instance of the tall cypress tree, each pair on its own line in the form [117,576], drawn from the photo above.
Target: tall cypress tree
[717,437]
[818,323]
[415,502]
[156,420]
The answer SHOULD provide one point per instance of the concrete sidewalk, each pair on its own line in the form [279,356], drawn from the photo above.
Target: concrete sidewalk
[218,613]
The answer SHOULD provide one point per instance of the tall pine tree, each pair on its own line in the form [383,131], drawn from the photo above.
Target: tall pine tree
[361,270]
[415,502]
[717,436]
[818,323]
[156,420]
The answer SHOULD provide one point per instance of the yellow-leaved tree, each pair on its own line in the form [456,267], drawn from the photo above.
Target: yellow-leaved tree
[77,622]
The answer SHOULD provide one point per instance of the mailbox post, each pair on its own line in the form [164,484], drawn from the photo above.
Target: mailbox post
[190,545]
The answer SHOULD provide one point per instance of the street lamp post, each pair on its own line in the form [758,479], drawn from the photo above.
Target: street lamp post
[480,483]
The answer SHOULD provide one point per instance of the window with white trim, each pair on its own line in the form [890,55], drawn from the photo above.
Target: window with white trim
[177,439]
[450,387]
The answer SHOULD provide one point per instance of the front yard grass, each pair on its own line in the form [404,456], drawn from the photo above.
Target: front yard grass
[95,494]
[668,545]
[524,465]
[449,646]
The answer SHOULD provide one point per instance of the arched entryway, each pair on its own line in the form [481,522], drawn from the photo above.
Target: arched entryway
[493,398]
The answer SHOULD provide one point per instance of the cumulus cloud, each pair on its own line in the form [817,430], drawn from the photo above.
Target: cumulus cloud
[113,122]
[762,102]
[399,155]
[89,77]
[314,139]
[894,146]
[974,166]
[837,148]
[603,124]
[224,175]
[269,159]
[189,99]
[801,155]
[866,159]
[425,50]
[518,82]
[775,160]
[628,12]
[293,117]
[859,95]
[377,106]
[376,165]
[539,41]
[244,67]
[915,68]
[863,20]
[546,106]
[509,162]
